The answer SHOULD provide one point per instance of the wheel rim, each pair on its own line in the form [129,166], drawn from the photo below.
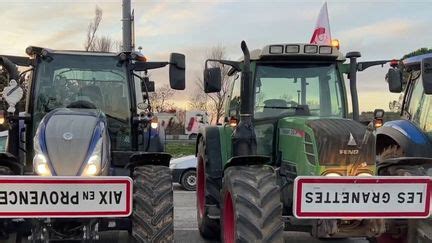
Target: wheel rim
[228,220]
[200,187]
[191,180]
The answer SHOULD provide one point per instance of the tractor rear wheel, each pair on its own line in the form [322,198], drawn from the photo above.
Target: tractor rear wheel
[207,193]
[252,210]
[153,218]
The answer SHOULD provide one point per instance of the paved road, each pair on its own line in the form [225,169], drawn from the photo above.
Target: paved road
[185,225]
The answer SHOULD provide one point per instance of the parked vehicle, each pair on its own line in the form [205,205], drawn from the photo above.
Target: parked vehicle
[404,147]
[287,116]
[81,120]
[195,120]
[184,171]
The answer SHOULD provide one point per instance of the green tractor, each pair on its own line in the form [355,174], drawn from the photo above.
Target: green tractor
[286,116]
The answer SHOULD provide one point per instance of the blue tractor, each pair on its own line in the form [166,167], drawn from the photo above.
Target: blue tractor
[404,147]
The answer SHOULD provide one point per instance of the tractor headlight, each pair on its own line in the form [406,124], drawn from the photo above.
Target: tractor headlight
[333,174]
[40,165]
[364,174]
[94,162]
[40,161]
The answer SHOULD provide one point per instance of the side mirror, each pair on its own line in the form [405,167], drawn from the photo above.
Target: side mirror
[150,85]
[394,80]
[212,80]
[426,72]
[177,73]
[378,120]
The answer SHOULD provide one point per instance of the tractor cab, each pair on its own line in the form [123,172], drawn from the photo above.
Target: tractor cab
[297,80]
[83,81]
[412,134]
[87,82]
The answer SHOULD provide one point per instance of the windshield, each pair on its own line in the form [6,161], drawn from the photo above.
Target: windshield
[298,89]
[96,80]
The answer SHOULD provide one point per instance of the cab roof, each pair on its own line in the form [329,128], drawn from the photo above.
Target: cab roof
[415,61]
[32,50]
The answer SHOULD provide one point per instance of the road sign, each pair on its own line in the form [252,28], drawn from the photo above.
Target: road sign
[65,197]
[362,197]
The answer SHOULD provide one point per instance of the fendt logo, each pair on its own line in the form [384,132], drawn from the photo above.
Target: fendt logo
[348,151]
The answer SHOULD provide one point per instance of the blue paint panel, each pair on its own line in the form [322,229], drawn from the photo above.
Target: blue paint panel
[97,135]
[408,129]
[416,59]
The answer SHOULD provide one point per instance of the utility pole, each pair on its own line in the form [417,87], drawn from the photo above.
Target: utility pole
[127,26]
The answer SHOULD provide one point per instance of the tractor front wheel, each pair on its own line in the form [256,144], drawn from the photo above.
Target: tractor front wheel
[153,214]
[401,235]
[252,210]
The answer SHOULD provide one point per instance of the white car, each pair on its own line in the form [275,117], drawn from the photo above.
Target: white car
[184,171]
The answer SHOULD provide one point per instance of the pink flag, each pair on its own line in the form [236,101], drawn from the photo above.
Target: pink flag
[321,34]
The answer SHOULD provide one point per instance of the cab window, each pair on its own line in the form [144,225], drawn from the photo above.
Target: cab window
[234,99]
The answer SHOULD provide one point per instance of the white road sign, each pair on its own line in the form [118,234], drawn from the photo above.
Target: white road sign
[362,197]
[63,197]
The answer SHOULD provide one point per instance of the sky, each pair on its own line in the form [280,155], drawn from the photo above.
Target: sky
[380,30]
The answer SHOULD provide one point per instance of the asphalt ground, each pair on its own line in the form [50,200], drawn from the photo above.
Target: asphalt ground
[185,225]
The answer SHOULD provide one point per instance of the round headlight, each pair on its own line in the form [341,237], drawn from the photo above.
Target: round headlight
[333,174]
[364,174]
[154,125]
[40,165]
[93,166]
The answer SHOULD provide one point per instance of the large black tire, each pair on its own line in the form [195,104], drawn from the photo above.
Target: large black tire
[5,171]
[252,210]
[207,193]
[188,180]
[153,214]
[390,152]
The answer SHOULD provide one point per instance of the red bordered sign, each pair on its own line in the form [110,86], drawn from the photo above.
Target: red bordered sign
[362,197]
[65,197]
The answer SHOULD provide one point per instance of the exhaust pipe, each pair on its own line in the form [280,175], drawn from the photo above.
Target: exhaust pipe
[244,138]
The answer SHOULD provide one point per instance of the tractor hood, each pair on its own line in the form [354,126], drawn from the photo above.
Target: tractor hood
[68,137]
[317,142]
[342,142]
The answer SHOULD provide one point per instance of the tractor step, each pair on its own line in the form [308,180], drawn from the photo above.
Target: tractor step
[213,212]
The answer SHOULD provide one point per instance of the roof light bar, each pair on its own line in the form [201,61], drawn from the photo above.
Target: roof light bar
[276,49]
[325,50]
[310,49]
[292,49]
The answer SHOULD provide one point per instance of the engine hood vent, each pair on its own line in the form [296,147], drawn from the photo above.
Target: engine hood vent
[340,142]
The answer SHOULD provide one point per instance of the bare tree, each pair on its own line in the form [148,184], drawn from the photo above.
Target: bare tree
[217,100]
[92,29]
[103,44]
[198,100]
[160,100]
